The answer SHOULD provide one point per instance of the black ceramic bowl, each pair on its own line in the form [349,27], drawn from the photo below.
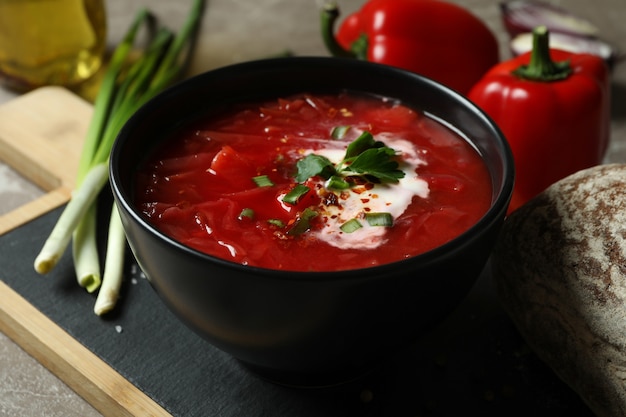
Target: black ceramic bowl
[308,328]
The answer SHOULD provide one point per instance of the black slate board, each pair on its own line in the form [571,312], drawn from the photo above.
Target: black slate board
[474,364]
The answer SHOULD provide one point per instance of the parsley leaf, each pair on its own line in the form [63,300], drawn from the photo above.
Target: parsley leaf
[377,163]
[365,157]
[361,144]
[312,165]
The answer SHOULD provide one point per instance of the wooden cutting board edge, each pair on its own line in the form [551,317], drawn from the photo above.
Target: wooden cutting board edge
[41,137]
[90,377]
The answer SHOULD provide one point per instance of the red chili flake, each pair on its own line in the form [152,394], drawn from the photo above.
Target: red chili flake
[330,199]
[356,180]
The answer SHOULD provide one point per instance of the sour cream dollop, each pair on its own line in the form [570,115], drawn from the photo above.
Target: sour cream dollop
[392,198]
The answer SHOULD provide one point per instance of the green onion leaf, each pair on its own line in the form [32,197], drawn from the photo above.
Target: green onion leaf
[303,223]
[337,183]
[339,132]
[294,196]
[276,222]
[246,213]
[262,181]
[379,219]
[351,226]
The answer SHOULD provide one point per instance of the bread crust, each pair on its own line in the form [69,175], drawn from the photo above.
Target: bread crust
[559,268]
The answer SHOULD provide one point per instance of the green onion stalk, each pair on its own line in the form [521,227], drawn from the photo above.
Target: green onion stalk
[84,247]
[126,86]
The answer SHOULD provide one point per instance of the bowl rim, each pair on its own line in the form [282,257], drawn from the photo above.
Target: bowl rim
[498,207]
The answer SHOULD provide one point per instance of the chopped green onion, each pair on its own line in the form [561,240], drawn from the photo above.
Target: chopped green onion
[262,181]
[303,223]
[379,219]
[294,196]
[339,132]
[247,213]
[337,183]
[351,226]
[276,222]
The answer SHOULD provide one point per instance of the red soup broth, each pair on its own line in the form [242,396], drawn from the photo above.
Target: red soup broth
[199,187]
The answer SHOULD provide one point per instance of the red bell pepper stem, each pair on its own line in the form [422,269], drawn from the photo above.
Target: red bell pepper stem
[329,15]
[541,67]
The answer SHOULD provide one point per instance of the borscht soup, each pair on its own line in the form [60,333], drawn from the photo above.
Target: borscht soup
[314,182]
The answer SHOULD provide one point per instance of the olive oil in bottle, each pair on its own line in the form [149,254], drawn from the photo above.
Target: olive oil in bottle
[50,42]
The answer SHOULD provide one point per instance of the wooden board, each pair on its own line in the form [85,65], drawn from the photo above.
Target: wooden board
[105,389]
[141,361]
[41,136]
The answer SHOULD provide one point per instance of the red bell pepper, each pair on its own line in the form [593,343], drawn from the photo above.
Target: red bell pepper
[439,40]
[553,107]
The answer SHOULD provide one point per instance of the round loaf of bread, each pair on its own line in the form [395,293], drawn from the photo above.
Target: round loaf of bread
[559,269]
